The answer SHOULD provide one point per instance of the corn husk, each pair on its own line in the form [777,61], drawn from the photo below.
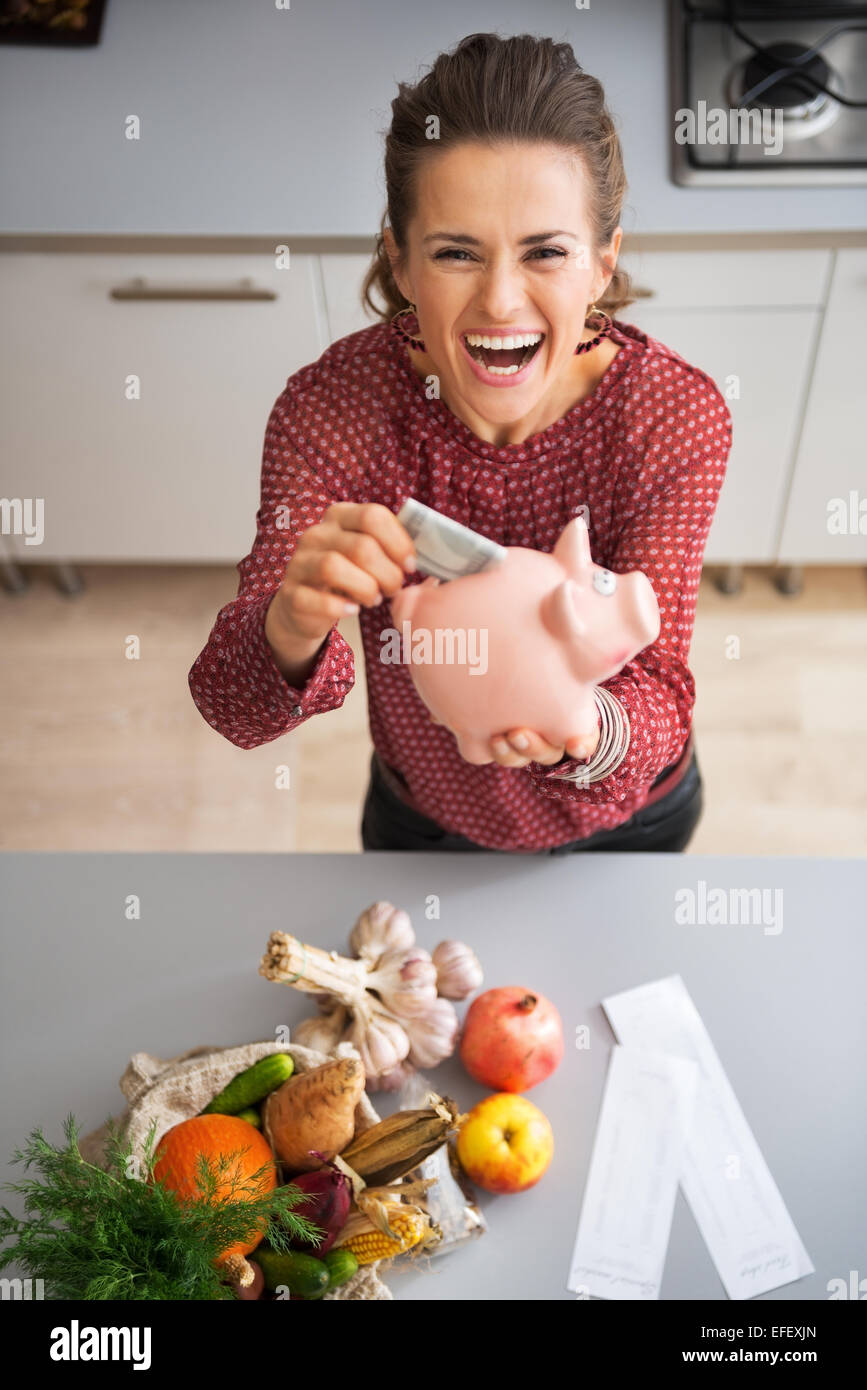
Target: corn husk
[450,1201]
[387,1151]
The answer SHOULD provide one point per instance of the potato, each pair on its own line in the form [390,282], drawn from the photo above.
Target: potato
[315,1110]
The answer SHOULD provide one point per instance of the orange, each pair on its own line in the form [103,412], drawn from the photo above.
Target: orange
[215,1136]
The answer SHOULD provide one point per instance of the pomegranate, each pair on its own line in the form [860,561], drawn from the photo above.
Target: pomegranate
[512,1039]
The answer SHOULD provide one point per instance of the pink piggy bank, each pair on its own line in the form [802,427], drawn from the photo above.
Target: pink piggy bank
[522,645]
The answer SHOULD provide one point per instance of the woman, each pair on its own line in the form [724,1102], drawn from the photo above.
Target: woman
[505,184]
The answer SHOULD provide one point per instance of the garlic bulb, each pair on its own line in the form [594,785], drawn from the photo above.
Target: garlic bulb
[433,1034]
[382,1042]
[459,970]
[406,981]
[322,1032]
[390,1004]
[397,1077]
[381,927]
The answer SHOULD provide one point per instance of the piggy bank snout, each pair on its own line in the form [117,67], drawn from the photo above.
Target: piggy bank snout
[640,611]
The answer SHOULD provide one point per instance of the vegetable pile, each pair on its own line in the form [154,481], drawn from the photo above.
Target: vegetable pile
[272,1190]
[268,1181]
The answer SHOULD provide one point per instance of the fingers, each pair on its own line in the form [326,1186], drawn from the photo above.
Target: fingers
[376,521]
[310,612]
[519,747]
[584,746]
[332,571]
[350,562]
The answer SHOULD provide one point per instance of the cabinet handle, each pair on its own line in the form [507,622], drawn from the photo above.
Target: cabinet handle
[641,292]
[140,289]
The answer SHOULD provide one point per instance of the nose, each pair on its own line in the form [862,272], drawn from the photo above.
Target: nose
[502,293]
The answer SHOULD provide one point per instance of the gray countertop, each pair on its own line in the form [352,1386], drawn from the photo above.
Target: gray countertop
[83,989]
[256,120]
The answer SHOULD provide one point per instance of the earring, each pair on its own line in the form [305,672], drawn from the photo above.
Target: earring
[399,328]
[607,325]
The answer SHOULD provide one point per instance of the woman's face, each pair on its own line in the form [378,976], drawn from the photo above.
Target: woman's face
[501,245]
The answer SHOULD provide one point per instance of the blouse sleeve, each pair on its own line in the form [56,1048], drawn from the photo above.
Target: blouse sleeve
[663,507]
[235,681]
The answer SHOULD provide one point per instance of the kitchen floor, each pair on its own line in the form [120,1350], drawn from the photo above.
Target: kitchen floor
[100,752]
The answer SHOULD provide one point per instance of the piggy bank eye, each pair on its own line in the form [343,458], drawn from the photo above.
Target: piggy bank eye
[604,582]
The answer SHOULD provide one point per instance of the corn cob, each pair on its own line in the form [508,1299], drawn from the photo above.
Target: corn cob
[396,1145]
[367,1244]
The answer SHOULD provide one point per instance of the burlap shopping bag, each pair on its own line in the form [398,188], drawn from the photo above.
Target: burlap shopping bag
[167,1091]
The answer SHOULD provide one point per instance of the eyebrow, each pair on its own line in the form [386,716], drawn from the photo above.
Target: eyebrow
[473,241]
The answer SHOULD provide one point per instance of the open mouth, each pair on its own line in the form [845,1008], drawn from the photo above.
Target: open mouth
[503,356]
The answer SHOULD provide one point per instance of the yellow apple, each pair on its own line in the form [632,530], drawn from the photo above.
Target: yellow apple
[505,1143]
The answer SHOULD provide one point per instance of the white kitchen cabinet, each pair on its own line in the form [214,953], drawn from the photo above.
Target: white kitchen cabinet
[830,478]
[174,475]
[733,280]
[342,278]
[749,319]
[765,358]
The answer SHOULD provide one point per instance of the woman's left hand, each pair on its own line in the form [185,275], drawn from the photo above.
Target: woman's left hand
[509,751]
[519,747]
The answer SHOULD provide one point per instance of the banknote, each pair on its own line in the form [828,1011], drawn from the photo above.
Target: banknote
[445,548]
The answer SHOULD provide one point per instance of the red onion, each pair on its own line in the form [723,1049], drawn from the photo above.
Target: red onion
[332,1195]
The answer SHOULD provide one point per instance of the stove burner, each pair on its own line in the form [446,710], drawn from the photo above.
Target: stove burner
[806,111]
[791,88]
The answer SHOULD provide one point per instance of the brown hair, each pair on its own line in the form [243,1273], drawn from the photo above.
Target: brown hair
[494,89]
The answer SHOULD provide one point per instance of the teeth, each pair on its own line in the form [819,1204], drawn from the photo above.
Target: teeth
[517,340]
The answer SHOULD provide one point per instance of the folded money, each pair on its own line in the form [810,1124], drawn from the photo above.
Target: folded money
[444,548]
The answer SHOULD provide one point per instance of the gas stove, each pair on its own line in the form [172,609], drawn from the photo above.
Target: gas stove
[769,94]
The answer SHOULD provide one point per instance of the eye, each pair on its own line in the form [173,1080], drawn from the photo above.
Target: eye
[554,253]
[604,582]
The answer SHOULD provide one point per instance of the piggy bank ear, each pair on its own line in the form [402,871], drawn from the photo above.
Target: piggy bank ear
[573,547]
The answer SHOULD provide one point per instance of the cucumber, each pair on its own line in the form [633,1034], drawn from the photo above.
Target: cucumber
[300,1274]
[252,1085]
[341,1265]
[251,1116]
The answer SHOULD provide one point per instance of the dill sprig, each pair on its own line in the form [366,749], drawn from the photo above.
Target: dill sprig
[113,1232]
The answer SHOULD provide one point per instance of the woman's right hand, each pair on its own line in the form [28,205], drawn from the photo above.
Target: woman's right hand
[357,555]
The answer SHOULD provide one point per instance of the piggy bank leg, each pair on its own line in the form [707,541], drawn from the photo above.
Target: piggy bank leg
[472,748]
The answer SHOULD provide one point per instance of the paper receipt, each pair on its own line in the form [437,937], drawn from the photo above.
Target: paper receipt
[729,1187]
[635,1167]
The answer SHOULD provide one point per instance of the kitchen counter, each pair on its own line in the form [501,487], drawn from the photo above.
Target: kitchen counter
[83,988]
[254,119]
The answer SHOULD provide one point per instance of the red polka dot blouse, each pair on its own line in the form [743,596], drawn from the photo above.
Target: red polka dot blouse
[646,452]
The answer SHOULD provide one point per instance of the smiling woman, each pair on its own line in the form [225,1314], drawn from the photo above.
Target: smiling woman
[501,389]
[505,235]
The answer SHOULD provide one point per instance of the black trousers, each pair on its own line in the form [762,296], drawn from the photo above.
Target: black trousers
[388,822]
